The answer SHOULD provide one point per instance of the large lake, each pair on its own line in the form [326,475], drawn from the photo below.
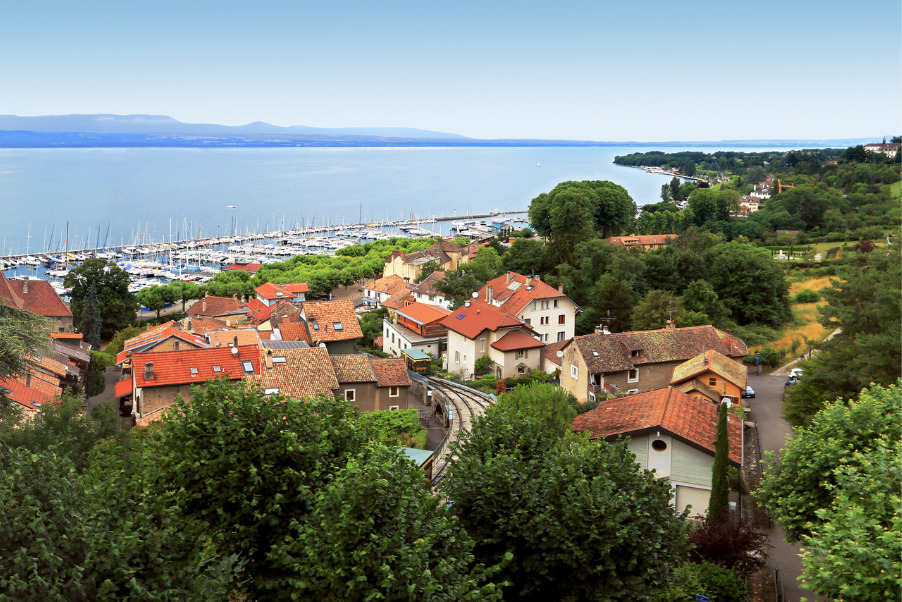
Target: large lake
[130,191]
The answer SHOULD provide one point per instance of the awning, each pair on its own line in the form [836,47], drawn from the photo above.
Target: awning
[123,388]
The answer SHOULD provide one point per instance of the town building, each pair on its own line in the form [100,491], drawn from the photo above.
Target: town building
[425,291]
[38,297]
[332,323]
[550,313]
[711,376]
[299,373]
[888,149]
[670,433]
[416,326]
[377,291]
[479,330]
[638,361]
[228,309]
[270,294]
[446,255]
[645,242]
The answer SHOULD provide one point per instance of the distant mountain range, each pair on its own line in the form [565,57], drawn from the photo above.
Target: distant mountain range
[75,131]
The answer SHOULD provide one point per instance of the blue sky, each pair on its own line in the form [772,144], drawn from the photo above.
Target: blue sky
[625,70]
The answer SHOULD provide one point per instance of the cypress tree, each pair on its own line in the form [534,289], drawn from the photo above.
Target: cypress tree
[719,504]
[91,320]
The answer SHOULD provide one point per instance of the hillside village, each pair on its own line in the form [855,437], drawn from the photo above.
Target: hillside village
[672,387]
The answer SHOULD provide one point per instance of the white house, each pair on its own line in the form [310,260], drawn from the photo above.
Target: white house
[550,313]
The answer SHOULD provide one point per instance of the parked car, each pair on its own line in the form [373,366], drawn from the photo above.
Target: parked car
[749,392]
[789,382]
[795,373]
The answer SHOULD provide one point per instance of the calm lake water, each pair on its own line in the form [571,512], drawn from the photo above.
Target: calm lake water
[122,193]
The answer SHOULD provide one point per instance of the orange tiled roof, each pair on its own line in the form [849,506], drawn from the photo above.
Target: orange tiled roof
[390,372]
[710,360]
[40,299]
[154,336]
[202,326]
[259,311]
[640,240]
[124,387]
[513,292]
[332,321]
[224,338]
[352,368]
[692,420]
[423,313]
[305,373]
[253,268]
[427,285]
[400,298]
[66,335]
[211,306]
[472,320]
[175,367]
[271,292]
[517,339]
[8,295]
[45,383]
[388,284]
[294,331]
[25,395]
[54,367]
[550,351]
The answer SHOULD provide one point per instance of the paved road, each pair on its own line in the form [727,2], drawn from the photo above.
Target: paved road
[766,410]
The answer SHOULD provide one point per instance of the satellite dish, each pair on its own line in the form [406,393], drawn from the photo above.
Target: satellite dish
[727,401]
[467,304]
[322,344]
[475,294]
[560,353]
[234,351]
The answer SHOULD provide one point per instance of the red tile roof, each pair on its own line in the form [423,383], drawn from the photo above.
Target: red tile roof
[427,285]
[472,320]
[389,284]
[332,321]
[271,292]
[377,342]
[40,299]
[216,306]
[423,313]
[124,387]
[8,295]
[66,335]
[512,292]
[305,373]
[253,268]
[692,420]
[174,367]
[640,240]
[352,368]
[224,338]
[260,312]
[517,339]
[729,369]
[390,372]
[294,331]
[25,395]
[155,336]
[202,326]
[44,383]
[551,349]
[400,298]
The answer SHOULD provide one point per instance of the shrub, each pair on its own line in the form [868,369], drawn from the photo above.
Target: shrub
[717,583]
[806,296]
[733,543]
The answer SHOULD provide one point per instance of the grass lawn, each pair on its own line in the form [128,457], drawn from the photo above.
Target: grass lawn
[895,189]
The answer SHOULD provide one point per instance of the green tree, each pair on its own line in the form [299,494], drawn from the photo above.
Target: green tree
[717,583]
[458,285]
[426,270]
[803,480]
[91,320]
[750,284]
[376,532]
[865,304]
[656,309]
[23,334]
[718,504]
[666,193]
[700,296]
[152,298]
[249,467]
[486,265]
[117,305]
[581,519]
[688,167]
[526,256]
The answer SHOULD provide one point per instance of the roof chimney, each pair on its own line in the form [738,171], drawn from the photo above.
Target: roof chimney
[528,280]
[560,288]
[602,329]
[488,293]
[203,303]
[269,359]
[235,340]
[148,371]
[509,276]
[28,379]
[671,325]
[25,285]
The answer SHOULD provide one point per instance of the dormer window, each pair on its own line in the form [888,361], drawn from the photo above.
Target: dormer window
[636,352]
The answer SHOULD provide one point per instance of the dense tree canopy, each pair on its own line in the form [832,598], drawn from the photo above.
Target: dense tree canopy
[581,519]
[117,305]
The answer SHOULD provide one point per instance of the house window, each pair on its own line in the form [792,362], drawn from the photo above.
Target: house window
[432,297]
[560,336]
[394,391]
[528,321]
[62,329]
[521,353]
[279,359]
[633,376]
[248,367]
[457,357]
[482,344]
[271,391]
[574,371]
[315,324]
[217,368]
[337,326]
[636,352]
[543,320]
[555,302]
[632,391]
[591,396]
[545,338]
[390,408]
[521,369]
[712,382]
[193,371]
[659,445]
[350,394]
[561,318]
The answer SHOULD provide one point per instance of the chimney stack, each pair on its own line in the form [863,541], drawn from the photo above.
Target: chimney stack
[25,285]
[602,329]
[528,280]
[671,325]
[560,288]
[235,339]
[269,359]
[148,371]
[509,276]
[203,303]
[28,379]
[488,294]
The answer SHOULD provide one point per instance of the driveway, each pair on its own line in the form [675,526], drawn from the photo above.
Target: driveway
[766,410]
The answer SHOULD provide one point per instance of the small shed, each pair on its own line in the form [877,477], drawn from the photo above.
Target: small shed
[417,361]
[422,458]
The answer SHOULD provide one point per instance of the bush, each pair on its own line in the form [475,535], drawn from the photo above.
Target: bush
[807,296]
[733,543]
[395,428]
[483,364]
[717,583]
[756,334]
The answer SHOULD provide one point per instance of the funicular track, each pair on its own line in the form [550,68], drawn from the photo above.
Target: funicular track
[465,404]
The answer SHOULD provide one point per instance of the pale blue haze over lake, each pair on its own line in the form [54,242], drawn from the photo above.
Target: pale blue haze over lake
[135,190]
